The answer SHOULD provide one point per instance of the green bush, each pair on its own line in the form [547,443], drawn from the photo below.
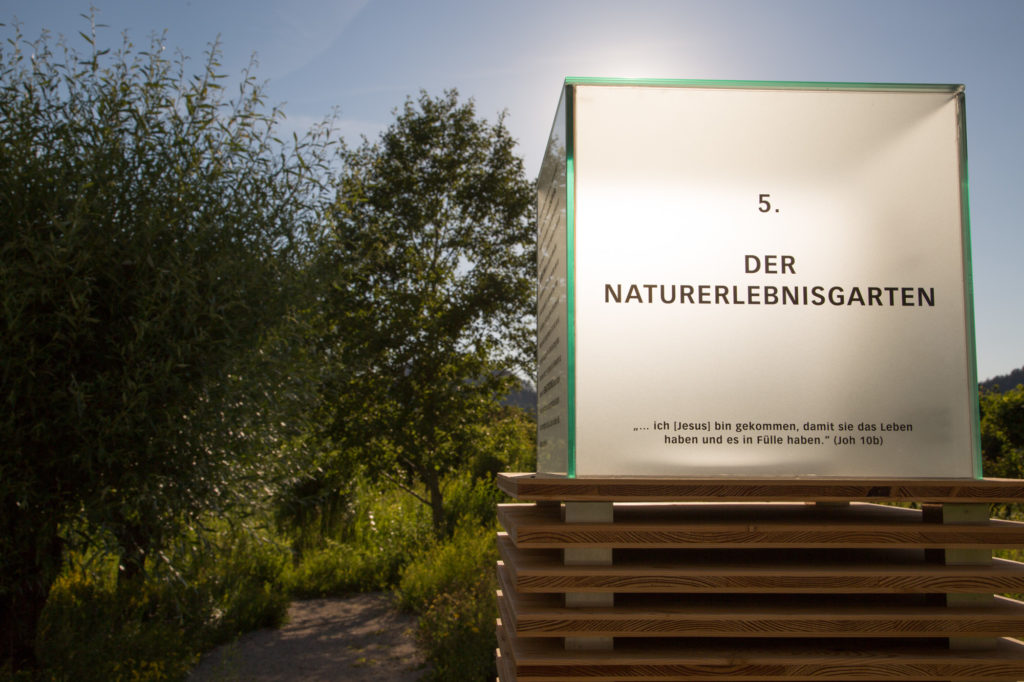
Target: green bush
[209,590]
[155,627]
[245,585]
[91,631]
[452,586]
[390,524]
[457,633]
[154,250]
[385,528]
[447,567]
[471,500]
[335,570]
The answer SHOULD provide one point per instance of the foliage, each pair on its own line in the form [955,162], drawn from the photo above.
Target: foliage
[161,254]
[431,265]
[452,587]
[1002,439]
[507,443]
[151,237]
[240,581]
[315,502]
[1002,432]
[234,579]
[450,583]
[451,565]
[457,633]
[95,629]
[93,632]
[334,570]
[470,500]
[388,523]
[386,528]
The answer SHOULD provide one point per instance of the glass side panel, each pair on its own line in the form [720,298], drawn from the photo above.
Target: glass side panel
[553,342]
[965,218]
[770,279]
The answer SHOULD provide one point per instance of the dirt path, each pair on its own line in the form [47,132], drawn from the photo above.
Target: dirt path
[356,639]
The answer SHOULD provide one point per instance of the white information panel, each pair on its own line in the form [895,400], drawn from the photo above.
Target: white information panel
[763,281]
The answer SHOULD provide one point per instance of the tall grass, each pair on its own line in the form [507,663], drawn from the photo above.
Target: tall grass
[238,579]
[154,628]
[387,527]
[453,588]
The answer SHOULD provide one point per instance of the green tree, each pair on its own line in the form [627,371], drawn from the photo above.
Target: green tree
[151,235]
[1002,432]
[432,263]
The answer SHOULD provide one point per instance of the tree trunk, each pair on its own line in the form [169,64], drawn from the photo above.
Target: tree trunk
[433,482]
[33,562]
[19,623]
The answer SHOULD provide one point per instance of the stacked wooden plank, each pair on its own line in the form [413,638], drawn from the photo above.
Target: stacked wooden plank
[712,579]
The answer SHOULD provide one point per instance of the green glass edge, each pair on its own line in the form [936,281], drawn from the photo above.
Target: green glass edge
[570,277]
[773,85]
[965,222]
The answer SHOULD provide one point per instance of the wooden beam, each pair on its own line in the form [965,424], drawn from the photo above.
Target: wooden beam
[544,660]
[763,526]
[881,572]
[529,486]
[760,616]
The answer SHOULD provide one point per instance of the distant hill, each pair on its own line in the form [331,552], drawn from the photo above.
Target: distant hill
[524,397]
[1005,382]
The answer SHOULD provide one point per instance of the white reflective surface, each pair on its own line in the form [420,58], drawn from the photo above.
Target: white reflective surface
[770,257]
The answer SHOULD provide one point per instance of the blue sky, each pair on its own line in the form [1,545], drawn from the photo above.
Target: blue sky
[365,56]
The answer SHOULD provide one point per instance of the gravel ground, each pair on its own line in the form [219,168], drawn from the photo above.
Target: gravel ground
[356,639]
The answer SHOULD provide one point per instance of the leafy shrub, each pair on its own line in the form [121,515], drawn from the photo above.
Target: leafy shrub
[452,587]
[385,529]
[335,570]
[471,500]
[457,632]
[447,567]
[1002,432]
[155,627]
[245,587]
[153,241]
[391,524]
[506,444]
[91,631]
[316,503]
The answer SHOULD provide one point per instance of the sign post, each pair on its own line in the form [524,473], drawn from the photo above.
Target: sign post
[755,324]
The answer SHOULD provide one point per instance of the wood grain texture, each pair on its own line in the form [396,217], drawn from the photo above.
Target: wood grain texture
[742,580]
[528,486]
[897,572]
[543,660]
[754,525]
[752,616]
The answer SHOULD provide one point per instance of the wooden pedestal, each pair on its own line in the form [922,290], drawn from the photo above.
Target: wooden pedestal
[768,579]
